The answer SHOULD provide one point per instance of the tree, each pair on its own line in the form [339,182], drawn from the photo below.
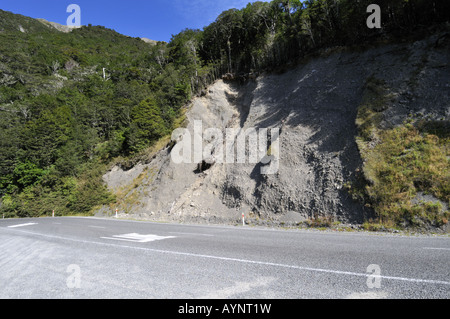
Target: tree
[43,136]
[26,175]
[184,52]
[147,125]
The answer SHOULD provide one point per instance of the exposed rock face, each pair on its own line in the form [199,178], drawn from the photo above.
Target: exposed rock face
[57,26]
[147,40]
[314,106]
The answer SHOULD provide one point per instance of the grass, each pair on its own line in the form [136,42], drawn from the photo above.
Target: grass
[375,99]
[320,222]
[404,163]
[399,164]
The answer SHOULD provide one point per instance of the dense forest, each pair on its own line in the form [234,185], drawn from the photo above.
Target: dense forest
[71,103]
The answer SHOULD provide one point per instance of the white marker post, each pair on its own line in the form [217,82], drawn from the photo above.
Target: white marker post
[243,219]
[53,213]
[117,216]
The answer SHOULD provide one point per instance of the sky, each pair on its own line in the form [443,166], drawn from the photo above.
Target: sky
[154,19]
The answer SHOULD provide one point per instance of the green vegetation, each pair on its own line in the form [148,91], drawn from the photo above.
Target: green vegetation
[62,121]
[401,165]
[72,103]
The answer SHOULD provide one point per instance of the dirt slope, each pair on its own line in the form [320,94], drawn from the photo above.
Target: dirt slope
[315,106]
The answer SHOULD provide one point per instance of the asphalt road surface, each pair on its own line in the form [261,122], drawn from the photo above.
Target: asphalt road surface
[61,258]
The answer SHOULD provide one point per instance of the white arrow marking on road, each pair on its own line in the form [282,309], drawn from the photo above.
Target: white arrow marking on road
[137,238]
[22,225]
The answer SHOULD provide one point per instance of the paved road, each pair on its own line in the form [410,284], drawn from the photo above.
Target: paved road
[108,258]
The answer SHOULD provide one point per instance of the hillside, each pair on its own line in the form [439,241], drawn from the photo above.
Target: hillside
[86,116]
[68,104]
[319,103]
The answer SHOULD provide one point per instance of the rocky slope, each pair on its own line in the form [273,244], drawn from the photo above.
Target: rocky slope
[315,104]
[57,26]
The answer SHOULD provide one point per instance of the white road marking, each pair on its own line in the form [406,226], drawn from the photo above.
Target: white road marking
[99,227]
[22,225]
[194,234]
[433,248]
[137,238]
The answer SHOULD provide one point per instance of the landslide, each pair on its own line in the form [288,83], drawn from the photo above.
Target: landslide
[316,105]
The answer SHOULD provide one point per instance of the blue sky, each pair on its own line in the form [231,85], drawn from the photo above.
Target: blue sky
[153,19]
